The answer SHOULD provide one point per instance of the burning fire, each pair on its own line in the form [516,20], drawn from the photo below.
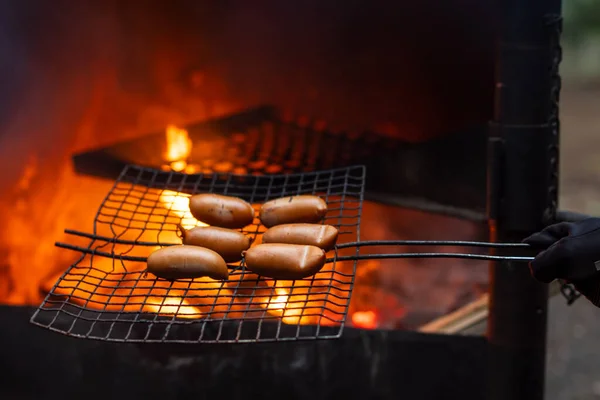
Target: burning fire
[118,286]
[122,286]
[365,319]
[179,147]
[177,203]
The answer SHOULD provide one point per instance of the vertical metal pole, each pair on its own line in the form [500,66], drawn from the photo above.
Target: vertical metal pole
[522,190]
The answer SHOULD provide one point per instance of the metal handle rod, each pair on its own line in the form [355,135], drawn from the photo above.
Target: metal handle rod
[431,255]
[460,243]
[332,259]
[115,239]
[95,252]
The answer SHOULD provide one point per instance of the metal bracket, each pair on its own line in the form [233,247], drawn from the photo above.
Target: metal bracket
[521,172]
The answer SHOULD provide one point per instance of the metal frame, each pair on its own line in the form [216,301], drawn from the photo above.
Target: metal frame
[522,190]
[108,295]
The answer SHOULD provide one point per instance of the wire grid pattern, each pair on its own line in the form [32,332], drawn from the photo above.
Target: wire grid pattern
[107,295]
[276,146]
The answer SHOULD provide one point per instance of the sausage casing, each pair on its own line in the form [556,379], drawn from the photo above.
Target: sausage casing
[221,211]
[228,243]
[284,261]
[294,209]
[181,262]
[322,236]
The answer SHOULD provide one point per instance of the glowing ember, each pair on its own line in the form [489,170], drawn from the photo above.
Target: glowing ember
[178,165]
[364,319]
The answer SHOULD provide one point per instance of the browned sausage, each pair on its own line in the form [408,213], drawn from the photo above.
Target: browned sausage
[222,211]
[322,236]
[294,209]
[228,243]
[181,262]
[284,261]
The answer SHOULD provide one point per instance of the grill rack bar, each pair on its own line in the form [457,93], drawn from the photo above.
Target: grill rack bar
[462,243]
[470,256]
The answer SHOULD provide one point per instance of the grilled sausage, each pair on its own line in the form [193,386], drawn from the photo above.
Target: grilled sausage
[322,236]
[284,261]
[228,243]
[222,211]
[181,262]
[294,209]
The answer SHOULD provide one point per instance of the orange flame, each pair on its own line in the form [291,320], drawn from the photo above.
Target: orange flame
[116,286]
[179,147]
[364,319]
[178,204]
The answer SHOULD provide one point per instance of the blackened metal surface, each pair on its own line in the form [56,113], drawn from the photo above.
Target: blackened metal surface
[359,365]
[258,141]
[522,195]
[449,171]
[516,331]
[526,115]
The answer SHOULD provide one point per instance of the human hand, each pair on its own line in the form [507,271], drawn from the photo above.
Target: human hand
[570,251]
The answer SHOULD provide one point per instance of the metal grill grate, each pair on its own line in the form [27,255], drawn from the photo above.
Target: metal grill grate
[257,141]
[263,141]
[107,295]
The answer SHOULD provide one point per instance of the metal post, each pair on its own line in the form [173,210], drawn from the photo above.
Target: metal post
[522,190]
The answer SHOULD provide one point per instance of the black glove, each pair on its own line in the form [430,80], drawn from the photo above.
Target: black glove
[571,251]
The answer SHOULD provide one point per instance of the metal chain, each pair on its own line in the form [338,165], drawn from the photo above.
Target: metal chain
[569,292]
[554,23]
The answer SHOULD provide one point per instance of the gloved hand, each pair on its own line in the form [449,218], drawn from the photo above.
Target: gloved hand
[571,251]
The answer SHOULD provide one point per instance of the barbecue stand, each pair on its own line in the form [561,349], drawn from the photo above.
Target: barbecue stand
[132,207]
[523,149]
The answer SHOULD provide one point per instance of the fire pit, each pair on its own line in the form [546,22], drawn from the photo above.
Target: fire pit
[260,142]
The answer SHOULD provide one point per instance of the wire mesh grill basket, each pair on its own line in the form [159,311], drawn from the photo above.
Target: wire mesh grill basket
[107,295]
